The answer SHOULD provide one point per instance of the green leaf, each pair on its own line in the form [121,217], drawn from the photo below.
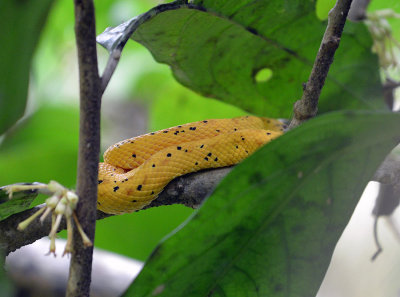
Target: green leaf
[220,48]
[271,226]
[20,201]
[21,23]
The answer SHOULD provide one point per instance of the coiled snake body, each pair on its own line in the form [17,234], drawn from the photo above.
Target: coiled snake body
[136,170]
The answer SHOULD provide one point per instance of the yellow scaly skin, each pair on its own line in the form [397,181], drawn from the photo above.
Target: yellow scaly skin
[136,170]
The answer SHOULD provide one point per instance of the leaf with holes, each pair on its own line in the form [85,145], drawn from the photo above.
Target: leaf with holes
[271,226]
[255,55]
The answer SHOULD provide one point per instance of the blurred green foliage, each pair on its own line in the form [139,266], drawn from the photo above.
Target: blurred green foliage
[21,23]
[392,4]
[6,286]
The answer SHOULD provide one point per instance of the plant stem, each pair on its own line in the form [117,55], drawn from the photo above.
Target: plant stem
[307,107]
[89,146]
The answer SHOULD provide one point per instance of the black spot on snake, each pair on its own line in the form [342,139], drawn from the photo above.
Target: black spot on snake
[139,187]
[100,181]
[116,188]
[169,155]
[178,148]
[134,155]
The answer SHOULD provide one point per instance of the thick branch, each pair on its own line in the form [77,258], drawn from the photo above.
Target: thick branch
[89,145]
[189,190]
[306,108]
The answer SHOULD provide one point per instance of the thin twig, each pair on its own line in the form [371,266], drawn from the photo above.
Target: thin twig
[307,107]
[388,199]
[89,146]
[110,68]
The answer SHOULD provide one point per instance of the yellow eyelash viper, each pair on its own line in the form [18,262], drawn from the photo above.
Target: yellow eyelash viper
[136,170]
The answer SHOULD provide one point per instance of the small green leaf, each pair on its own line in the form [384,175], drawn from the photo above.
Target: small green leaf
[20,201]
[271,226]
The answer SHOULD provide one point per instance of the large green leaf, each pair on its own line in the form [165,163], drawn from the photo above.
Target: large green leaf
[216,48]
[271,226]
[21,23]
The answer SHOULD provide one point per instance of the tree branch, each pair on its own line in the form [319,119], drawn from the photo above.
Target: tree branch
[307,107]
[89,146]
[189,190]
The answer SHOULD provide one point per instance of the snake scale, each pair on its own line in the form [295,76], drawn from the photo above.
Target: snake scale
[136,170]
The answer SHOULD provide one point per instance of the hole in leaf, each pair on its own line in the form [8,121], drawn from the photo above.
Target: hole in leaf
[263,75]
[322,8]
